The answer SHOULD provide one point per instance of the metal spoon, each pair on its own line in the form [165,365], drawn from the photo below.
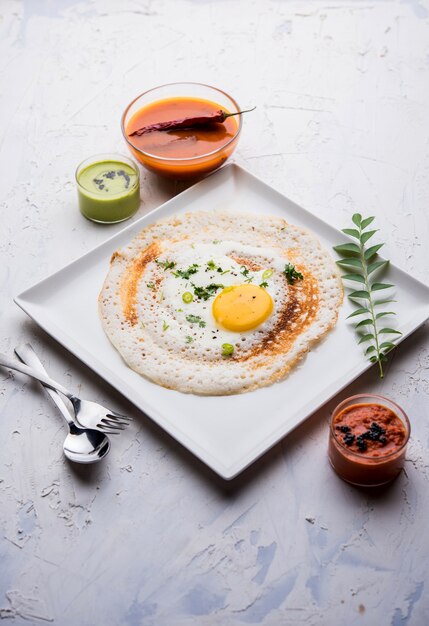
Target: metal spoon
[82,445]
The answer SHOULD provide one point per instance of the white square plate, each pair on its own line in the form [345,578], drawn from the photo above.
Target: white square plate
[227,432]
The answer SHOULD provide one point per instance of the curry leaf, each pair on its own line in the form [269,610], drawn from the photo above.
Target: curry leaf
[352,232]
[351,248]
[350,263]
[359,294]
[366,222]
[366,322]
[379,286]
[356,277]
[366,337]
[384,313]
[387,345]
[374,266]
[372,251]
[380,302]
[359,312]
[365,236]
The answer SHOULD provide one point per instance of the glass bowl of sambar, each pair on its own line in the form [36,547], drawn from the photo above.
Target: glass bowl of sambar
[182,150]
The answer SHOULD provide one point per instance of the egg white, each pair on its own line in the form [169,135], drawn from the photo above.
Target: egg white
[166,317]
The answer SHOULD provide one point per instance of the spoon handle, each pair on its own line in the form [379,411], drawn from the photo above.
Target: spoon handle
[43,378]
[26,353]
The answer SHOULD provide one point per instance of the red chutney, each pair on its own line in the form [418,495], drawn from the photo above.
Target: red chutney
[367,442]
[372,430]
[205,148]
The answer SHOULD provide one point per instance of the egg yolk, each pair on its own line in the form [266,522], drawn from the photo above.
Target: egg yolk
[242,307]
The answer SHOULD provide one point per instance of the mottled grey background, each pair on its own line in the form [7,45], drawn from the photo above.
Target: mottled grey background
[152,537]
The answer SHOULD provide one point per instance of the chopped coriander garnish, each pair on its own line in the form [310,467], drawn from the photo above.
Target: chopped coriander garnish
[211,265]
[150,286]
[165,326]
[189,339]
[245,271]
[264,284]
[186,274]
[167,265]
[225,272]
[291,274]
[227,349]
[204,293]
[187,297]
[195,319]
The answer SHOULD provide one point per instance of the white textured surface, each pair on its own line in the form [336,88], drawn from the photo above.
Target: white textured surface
[151,537]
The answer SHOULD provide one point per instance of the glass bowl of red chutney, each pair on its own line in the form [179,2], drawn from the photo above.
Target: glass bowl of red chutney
[187,152]
[368,439]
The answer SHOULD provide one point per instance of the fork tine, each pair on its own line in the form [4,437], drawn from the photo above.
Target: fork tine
[115,420]
[108,430]
[120,415]
[123,420]
[107,420]
[112,422]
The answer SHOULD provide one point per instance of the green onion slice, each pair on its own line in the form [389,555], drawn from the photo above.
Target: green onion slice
[227,349]
[267,274]
[187,297]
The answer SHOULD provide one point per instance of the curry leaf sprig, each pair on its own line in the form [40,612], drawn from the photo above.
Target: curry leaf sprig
[361,262]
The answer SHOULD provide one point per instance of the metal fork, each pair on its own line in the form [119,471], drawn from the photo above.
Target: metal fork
[88,414]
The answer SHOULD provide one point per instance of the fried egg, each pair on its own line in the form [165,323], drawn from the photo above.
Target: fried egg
[206,303]
[211,295]
[242,307]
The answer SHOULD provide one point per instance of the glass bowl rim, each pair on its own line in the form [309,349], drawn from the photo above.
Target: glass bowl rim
[180,159]
[402,416]
[113,156]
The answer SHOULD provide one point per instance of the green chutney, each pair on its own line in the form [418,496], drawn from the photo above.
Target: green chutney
[108,189]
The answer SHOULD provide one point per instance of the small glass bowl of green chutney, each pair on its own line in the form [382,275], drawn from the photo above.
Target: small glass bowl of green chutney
[108,188]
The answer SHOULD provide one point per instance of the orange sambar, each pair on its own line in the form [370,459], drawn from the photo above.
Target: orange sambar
[182,153]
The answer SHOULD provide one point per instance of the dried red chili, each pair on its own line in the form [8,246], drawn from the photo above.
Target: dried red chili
[188,122]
